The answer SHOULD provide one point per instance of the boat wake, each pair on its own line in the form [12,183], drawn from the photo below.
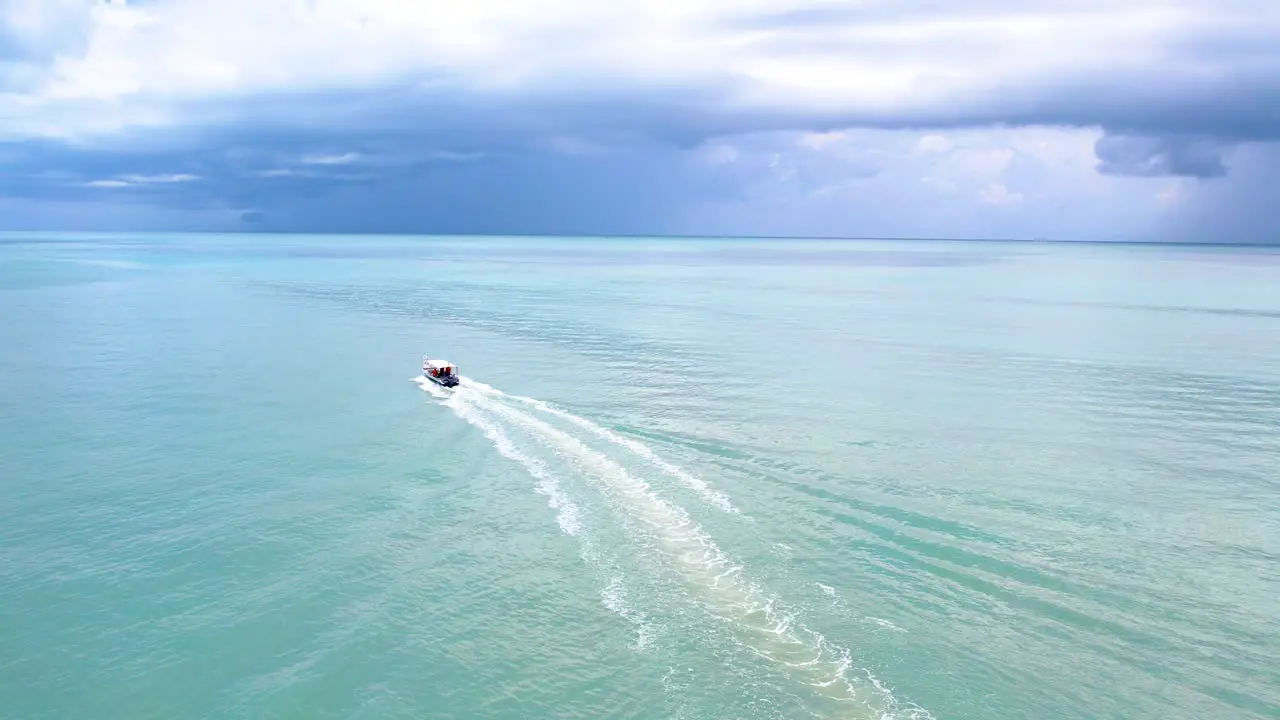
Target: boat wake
[712,496]
[747,615]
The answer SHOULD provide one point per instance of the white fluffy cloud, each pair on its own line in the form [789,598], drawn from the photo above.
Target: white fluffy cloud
[876,60]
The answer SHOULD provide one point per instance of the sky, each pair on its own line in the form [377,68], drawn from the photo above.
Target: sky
[1140,120]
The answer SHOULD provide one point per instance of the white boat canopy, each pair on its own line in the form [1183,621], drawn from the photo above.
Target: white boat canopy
[438,364]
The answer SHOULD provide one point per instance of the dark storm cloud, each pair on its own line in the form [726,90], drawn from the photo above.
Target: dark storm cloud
[372,181]
[591,149]
[1234,95]
[1239,208]
[1153,157]
[509,194]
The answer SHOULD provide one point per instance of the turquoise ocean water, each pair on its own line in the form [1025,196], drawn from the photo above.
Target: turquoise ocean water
[683,479]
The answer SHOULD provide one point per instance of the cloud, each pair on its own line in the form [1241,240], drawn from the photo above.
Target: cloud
[107,184]
[998,194]
[132,180]
[1026,183]
[933,144]
[1159,156]
[38,30]
[342,159]
[719,154]
[1238,208]
[1142,66]
[1170,194]
[641,116]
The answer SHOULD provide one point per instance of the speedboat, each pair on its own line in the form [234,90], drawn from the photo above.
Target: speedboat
[440,372]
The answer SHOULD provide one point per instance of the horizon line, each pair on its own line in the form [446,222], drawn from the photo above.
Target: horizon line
[647,236]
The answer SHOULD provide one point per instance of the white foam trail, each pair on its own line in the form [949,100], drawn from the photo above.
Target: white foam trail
[479,386]
[430,388]
[798,651]
[614,598]
[883,623]
[698,485]
[567,514]
[803,654]
[866,619]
